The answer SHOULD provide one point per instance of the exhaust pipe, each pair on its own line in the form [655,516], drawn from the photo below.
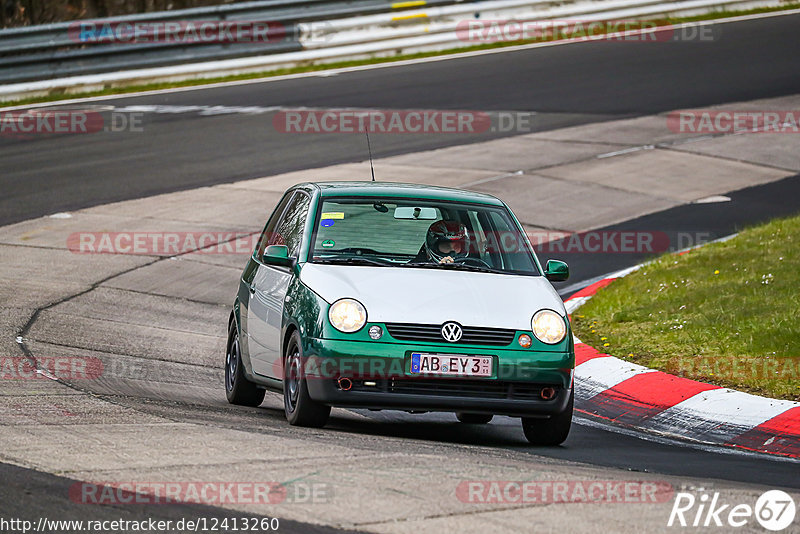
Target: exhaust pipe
[344,383]
[547,393]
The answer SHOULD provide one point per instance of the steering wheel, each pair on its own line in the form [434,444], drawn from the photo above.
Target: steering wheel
[475,261]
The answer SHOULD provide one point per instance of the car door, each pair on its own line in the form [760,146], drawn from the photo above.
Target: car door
[269,286]
[251,349]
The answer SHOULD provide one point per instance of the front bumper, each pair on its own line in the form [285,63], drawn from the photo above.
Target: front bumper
[381,377]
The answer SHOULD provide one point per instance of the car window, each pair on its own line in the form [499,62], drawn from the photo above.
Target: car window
[289,230]
[512,252]
[387,231]
[478,233]
[269,229]
[369,226]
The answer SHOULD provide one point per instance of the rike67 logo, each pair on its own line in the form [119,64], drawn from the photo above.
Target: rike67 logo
[774,510]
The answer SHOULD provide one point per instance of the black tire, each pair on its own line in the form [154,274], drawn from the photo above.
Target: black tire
[300,408]
[238,389]
[474,418]
[552,431]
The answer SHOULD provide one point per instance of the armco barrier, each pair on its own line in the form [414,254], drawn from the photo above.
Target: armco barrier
[51,50]
[440,24]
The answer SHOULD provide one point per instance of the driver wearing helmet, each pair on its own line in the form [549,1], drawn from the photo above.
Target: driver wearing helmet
[445,242]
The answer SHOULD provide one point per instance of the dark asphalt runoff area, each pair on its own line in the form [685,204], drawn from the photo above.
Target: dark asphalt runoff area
[688,223]
[33,496]
[563,85]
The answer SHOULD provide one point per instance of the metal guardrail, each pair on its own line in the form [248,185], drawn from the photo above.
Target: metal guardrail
[441,26]
[51,50]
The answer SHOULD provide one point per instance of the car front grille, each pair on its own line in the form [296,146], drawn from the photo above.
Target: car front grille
[472,335]
[448,387]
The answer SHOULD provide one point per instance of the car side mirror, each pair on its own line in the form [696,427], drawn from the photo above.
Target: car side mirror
[277,255]
[556,271]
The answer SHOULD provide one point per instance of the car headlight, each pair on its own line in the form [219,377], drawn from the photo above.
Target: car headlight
[548,327]
[347,315]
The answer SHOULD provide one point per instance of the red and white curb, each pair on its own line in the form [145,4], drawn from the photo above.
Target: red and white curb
[634,396]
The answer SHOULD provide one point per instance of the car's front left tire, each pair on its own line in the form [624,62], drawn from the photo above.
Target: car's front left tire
[238,389]
[300,408]
[551,431]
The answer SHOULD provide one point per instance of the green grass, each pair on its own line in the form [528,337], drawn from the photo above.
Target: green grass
[726,313]
[122,88]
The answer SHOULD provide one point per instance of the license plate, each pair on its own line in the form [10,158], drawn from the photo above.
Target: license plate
[450,364]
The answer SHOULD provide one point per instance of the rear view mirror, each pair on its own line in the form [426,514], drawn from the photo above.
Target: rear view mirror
[424,214]
[277,255]
[556,271]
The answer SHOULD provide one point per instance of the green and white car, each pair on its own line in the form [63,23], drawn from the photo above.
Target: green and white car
[403,297]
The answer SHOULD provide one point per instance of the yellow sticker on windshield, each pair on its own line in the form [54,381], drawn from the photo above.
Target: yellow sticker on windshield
[333,215]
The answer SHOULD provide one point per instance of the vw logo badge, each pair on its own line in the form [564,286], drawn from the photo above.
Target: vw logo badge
[451,332]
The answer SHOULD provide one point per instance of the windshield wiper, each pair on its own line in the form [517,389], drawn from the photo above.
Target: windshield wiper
[455,266]
[352,260]
[466,267]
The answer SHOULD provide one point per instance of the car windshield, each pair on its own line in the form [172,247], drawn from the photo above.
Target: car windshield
[420,234]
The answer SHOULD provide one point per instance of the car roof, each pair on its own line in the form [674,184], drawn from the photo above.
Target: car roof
[399,190]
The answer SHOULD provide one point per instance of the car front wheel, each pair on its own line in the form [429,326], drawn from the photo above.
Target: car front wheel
[238,389]
[552,431]
[300,408]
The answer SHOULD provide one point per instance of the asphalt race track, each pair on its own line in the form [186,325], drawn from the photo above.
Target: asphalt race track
[29,495]
[563,85]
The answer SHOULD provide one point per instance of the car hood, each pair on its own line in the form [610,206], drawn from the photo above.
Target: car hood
[432,296]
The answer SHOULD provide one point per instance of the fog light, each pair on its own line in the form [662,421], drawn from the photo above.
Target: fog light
[525,341]
[375,332]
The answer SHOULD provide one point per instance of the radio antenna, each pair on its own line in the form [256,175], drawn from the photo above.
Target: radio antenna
[369,149]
